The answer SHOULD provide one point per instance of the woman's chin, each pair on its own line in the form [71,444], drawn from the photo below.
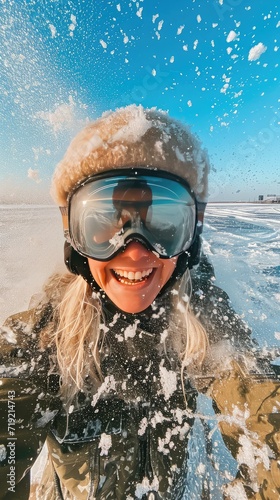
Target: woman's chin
[132,306]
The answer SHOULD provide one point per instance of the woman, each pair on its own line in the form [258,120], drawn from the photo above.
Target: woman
[108,366]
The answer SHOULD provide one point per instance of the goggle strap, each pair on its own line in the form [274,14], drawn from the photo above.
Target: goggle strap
[63,210]
[64,214]
[200,216]
[200,211]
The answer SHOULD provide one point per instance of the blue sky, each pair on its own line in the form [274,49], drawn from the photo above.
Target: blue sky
[214,64]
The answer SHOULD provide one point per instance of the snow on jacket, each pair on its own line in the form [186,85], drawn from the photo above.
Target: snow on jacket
[129,439]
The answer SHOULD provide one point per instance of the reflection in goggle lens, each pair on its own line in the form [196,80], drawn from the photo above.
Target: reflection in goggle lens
[106,213]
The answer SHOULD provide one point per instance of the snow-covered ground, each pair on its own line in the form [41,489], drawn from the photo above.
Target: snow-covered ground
[243,243]
[31,249]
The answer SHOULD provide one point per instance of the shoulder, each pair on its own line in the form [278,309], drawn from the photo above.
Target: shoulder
[20,350]
[213,307]
[18,328]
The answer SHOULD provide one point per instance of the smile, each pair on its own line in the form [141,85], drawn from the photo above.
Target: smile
[130,277]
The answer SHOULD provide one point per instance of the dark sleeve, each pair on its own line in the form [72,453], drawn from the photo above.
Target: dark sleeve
[26,403]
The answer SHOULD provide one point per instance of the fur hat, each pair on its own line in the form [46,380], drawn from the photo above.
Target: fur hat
[132,136]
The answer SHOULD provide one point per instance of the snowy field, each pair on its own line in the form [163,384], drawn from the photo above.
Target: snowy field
[243,243]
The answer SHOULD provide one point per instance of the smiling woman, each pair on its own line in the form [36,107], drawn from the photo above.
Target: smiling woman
[108,365]
[134,278]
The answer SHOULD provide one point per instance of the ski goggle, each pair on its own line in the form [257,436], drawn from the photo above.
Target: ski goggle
[109,210]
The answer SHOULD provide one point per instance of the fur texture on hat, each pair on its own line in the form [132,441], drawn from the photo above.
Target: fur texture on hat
[132,136]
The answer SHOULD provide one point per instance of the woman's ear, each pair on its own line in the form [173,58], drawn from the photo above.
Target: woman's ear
[76,263]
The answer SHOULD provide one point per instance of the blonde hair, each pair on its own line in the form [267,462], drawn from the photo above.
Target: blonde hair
[75,338]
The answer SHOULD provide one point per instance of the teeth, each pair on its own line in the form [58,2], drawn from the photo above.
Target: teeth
[132,276]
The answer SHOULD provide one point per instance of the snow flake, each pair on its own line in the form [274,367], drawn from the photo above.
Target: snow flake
[251,455]
[235,491]
[34,175]
[231,36]
[139,12]
[61,118]
[135,129]
[163,336]
[108,385]
[143,426]
[104,44]
[168,381]
[180,29]
[130,330]
[201,469]
[53,30]
[46,417]
[146,486]
[73,24]
[256,51]
[105,443]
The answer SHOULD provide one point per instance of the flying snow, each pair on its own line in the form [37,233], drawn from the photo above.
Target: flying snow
[231,36]
[104,44]
[33,174]
[256,52]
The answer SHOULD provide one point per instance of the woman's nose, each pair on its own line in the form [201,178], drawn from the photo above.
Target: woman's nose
[136,251]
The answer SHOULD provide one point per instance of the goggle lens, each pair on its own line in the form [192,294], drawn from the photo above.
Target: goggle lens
[107,212]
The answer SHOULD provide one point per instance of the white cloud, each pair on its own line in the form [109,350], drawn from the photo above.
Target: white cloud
[256,51]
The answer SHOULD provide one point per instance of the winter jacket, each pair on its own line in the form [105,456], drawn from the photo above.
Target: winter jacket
[129,440]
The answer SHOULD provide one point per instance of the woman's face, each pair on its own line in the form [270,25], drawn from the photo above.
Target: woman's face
[133,279]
